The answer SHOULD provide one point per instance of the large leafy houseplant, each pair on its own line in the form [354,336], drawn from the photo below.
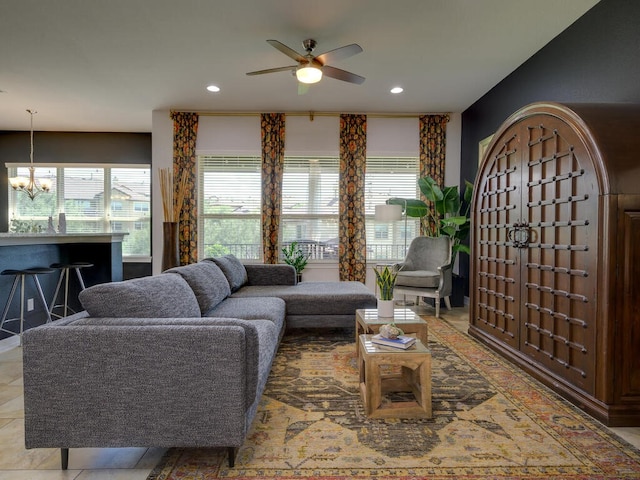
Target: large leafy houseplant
[450,215]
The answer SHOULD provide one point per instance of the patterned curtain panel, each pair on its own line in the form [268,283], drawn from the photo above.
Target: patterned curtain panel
[433,143]
[351,229]
[272,127]
[185,132]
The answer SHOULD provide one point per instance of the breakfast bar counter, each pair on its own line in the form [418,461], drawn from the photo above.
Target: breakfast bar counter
[27,250]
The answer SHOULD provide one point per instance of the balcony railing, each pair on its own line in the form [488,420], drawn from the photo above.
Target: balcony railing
[317,251]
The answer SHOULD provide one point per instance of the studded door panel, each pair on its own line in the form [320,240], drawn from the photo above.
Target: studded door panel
[497,208]
[559,209]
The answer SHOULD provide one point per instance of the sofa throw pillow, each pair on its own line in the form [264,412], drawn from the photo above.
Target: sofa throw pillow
[159,296]
[207,281]
[233,269]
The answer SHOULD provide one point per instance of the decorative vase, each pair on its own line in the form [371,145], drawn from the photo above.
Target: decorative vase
[170,248]
[385,308]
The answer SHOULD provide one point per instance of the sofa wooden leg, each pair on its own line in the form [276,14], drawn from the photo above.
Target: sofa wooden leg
[232,456]
[64,458]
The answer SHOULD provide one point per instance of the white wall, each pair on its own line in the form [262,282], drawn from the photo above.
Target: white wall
[161,157]
[241,135]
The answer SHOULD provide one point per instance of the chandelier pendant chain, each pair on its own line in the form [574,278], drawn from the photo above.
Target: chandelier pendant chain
[32,113]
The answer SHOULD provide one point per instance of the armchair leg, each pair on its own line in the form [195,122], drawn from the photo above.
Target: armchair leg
[447,302]
[64,458]
[437,302]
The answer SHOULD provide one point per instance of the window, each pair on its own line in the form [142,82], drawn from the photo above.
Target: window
[229,209]
[387,178]
[229,202]
[79,193]
[310,204]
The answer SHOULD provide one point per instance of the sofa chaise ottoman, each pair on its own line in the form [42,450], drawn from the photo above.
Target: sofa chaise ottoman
[308,304]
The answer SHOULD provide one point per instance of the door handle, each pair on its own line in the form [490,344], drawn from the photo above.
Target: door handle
[518,234]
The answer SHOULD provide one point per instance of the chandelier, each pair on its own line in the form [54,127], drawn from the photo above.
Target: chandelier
[30,186]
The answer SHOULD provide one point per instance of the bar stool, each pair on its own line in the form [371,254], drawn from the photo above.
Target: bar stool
[64,276]
[20,277]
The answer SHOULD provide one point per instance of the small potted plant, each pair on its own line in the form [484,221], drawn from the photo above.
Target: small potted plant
[385,280]
[294,256]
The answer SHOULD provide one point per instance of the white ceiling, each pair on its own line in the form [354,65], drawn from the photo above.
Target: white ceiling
[105,65]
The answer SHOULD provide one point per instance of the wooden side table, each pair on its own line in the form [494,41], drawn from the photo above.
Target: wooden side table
[414,376]
[410,322]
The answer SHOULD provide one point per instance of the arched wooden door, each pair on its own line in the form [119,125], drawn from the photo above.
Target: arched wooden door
[535,244]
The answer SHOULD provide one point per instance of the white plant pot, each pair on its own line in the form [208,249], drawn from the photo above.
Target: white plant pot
[385,308]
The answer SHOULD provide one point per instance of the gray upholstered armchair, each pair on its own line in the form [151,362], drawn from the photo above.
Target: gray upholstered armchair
[426,272]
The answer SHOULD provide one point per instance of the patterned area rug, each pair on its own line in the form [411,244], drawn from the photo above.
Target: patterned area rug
[489,421]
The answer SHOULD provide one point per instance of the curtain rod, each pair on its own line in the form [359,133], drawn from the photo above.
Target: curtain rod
[314,114]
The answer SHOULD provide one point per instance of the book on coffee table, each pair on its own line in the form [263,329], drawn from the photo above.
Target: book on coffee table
[402,341]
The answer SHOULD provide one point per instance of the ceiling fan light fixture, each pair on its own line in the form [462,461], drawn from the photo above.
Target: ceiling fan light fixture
[308,74]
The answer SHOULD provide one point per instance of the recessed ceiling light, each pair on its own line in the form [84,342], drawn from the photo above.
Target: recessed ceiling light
[213,88]
[397,90]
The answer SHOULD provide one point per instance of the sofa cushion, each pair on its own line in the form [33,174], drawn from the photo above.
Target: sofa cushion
[161,296]
[233,269]
[316,298]
[268,341]
[269,308]
[270,274]
[207,282]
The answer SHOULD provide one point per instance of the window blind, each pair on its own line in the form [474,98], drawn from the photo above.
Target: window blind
[310,205]
[229,196]
[388,177]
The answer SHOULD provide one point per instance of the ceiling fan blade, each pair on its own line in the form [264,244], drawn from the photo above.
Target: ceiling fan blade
[289,52]
[337,54]
[343,75]
[273,70]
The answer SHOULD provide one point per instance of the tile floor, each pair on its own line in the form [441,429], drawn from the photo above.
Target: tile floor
[17,463]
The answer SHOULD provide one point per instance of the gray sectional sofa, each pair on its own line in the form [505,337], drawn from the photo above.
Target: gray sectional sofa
[178,359]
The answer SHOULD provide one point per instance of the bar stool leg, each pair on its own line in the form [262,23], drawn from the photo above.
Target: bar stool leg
[16,279]
[42,299]
[66,292]
[20,276]
[21,306]
[80,279]
[64,276]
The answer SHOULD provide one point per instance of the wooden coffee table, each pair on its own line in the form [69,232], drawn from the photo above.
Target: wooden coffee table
[414,376]
[367,321]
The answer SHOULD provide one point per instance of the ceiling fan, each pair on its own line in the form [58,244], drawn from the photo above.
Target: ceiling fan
[310,68]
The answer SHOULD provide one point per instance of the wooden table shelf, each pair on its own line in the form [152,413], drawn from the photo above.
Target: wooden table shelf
[414,376]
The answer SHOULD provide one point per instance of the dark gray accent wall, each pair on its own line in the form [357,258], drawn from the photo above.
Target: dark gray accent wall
[597,59]
[69,147]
